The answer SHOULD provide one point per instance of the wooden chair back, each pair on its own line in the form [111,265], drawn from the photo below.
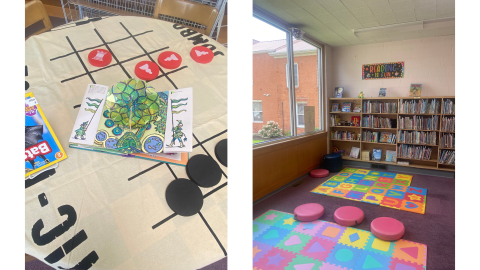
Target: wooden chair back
[34,12]
[195,12]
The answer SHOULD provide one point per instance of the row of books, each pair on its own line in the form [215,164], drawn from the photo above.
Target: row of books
[448,124]
[447,140]
[379,107]
[425,106]
[418,137]
[372,121]
[390,155]
[448,107]
[419,122]
[343,135]
[347,107]
[368,136]
[414,152]
[447,157]
[334,119]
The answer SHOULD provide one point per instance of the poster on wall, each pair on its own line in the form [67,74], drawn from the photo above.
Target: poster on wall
[383,71]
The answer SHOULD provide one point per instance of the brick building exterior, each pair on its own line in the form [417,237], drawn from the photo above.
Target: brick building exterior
[270,81]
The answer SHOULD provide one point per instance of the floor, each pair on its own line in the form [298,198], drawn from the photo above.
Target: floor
[436,228]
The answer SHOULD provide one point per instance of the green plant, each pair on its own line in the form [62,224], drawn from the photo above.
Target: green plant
[270,130]
[287,133]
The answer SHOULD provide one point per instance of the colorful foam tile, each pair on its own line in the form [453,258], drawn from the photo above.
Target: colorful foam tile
[384,179]
[346,186]
[395,194]
[380,246]
[344,256]
[337,178]
[270,217]
[349,170]
[330,183]
[414,207]
[303,263]
[397,264]
[355,195]
[259,250]
[415,197]
[382,185]
[337,192]
[391,202]
[309,228]
[404,177]
[375,173]
[275,259]
[401,182]
[318,248]
[344,174]
[352,180]
[365,182]
[373,261]
[361,188]
[294,242]
[259,228]
[410,251]
[399,187]
[355,238]
[371,177]
[287,222]
[362,171]
[417,190]
[377,191]
[389,175]
[372,198]
[272,236]
[331,232]
[321,190]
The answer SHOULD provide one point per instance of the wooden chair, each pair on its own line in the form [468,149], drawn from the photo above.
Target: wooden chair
[34,12]
[190,11]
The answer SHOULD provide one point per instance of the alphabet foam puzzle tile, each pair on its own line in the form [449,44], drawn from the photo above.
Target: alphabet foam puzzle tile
[333,247]
[350,170]
[384,188]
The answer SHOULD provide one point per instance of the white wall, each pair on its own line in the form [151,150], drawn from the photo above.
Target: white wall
[429,61]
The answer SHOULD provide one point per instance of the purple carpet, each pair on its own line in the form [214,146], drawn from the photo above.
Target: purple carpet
[436,228]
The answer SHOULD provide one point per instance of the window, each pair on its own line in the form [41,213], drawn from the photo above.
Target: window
[257,111]
[301,114]
[295,72]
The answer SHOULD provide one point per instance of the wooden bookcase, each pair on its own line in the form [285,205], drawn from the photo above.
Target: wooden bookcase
[433,163]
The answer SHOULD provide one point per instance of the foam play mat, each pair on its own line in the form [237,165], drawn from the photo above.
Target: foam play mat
[387,189]
[281,242]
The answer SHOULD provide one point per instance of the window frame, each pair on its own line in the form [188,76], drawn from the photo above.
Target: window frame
[297,114]
[253,118]
[297,81]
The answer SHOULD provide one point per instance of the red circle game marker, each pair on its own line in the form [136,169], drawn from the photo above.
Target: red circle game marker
[170,60]
[147,70]
[202,55]
[99,58]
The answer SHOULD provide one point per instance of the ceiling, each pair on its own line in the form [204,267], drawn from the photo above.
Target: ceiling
[333,21]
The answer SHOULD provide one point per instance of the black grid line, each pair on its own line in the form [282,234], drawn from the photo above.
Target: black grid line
[207,152]
[168,73]
[213,233]
[94,47]
[211,138]
[80,59]
[215,190]
[138,43]
[121,62]
[144,171]
[113,55]
[163,221]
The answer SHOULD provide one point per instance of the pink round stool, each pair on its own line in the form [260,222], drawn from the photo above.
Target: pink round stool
[308,212]
[319,173]
[388,229]
[348,216]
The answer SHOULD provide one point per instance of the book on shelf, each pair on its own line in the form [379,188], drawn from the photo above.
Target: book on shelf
[358,108]
[391,156]
[418,137]
[386,137]
[414,152]
[354,152]
[383,92]
[377,154]
[379,107]
[448,123]
[371,121]
[403,162]
[448,106]
[355,120]
[369,136]
[447,157]
[365,155]
[415,90]
[346,106]
[334,120]
[419,122]
[447,140]
[423,106]
[343,135]
[334,107]
[338,92]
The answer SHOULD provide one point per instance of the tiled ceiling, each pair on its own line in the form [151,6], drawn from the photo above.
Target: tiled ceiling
[333,21]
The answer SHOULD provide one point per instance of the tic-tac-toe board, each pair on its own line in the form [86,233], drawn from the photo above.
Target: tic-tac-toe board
[102,211]
[387,189]
[281,242]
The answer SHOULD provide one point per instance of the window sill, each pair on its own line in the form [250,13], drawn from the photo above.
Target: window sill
[288,139]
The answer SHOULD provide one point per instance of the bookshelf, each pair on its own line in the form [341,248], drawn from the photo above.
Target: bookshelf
[438,119]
